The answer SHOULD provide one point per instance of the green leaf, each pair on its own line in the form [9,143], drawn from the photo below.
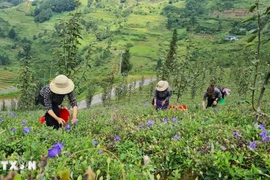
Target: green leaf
[17,177]
[251,38]
[250,44]
[65,174]
[253,18]
[267,11]
[251,9]
[255,61]
[267,40]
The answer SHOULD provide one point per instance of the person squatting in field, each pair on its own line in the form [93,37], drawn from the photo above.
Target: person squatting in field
[162,94]
[213,95]
[51,97]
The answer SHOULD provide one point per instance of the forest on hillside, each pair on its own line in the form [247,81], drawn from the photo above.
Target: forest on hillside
[103,30]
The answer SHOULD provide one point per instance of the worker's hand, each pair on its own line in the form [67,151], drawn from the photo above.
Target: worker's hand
[74,121]
[61,121]
[155,105]
[163,102]
[215,102]
[203,105]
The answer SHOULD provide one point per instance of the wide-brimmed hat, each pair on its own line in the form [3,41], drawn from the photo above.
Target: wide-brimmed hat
[61,85]
[162,85]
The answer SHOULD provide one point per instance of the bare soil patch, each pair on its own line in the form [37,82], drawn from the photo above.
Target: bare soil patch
[205,36]
[233,12]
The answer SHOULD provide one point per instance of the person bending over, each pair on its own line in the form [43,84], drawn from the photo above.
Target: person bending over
[213,95]
[162,94]
[51,97]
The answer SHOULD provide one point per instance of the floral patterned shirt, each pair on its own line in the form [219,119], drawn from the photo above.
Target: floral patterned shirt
[52,98]
[162,95]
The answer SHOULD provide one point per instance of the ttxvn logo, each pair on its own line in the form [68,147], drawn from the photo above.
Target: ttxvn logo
[14,165]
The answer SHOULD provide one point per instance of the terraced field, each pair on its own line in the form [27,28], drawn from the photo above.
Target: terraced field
[7,79]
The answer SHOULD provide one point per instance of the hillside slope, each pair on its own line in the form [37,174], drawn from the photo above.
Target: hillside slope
[144,26]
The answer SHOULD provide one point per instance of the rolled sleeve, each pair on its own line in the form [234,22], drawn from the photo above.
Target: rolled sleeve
[47,100]
[169,93]
[72,99]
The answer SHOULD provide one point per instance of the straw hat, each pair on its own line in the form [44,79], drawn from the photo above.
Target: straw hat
[61,85]
[162,85]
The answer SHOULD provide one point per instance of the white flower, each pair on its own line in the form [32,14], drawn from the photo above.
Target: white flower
[146,160]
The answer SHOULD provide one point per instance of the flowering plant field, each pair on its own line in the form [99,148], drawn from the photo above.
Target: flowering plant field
[134,141]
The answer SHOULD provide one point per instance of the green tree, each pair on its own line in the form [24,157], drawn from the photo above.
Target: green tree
[172,52]
[70,34]
[89,3]
[262,20]
[2,33]
[12,34]
[4,59]
[44,15]
[126,65]
[27,84]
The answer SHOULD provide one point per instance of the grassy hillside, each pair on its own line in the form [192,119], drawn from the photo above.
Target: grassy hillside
[138,24]
[131,140]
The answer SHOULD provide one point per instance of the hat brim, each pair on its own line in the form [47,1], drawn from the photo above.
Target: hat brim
[164,87]
[65,90]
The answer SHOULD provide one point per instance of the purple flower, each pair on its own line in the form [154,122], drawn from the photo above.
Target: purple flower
[252,145]
[13,129]
[261,126]
[11,113]
[140,126]
[100,151]
[23,122]
[150,123]
[179,122]
[173,118]
[266,138]
[26,130]
[91,117]
[68,127]
[263,134]
[59,145]
[76,121]
[1,119]
[117,138]
[52,152]
[95,143]
[235,134]
[176,137]
[165,120]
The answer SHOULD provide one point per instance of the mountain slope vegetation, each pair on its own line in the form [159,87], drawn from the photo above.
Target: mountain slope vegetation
[111,27]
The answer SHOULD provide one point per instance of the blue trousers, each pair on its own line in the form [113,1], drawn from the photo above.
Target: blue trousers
[159,104]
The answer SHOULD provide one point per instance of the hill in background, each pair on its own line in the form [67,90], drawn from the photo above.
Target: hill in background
[145,27]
